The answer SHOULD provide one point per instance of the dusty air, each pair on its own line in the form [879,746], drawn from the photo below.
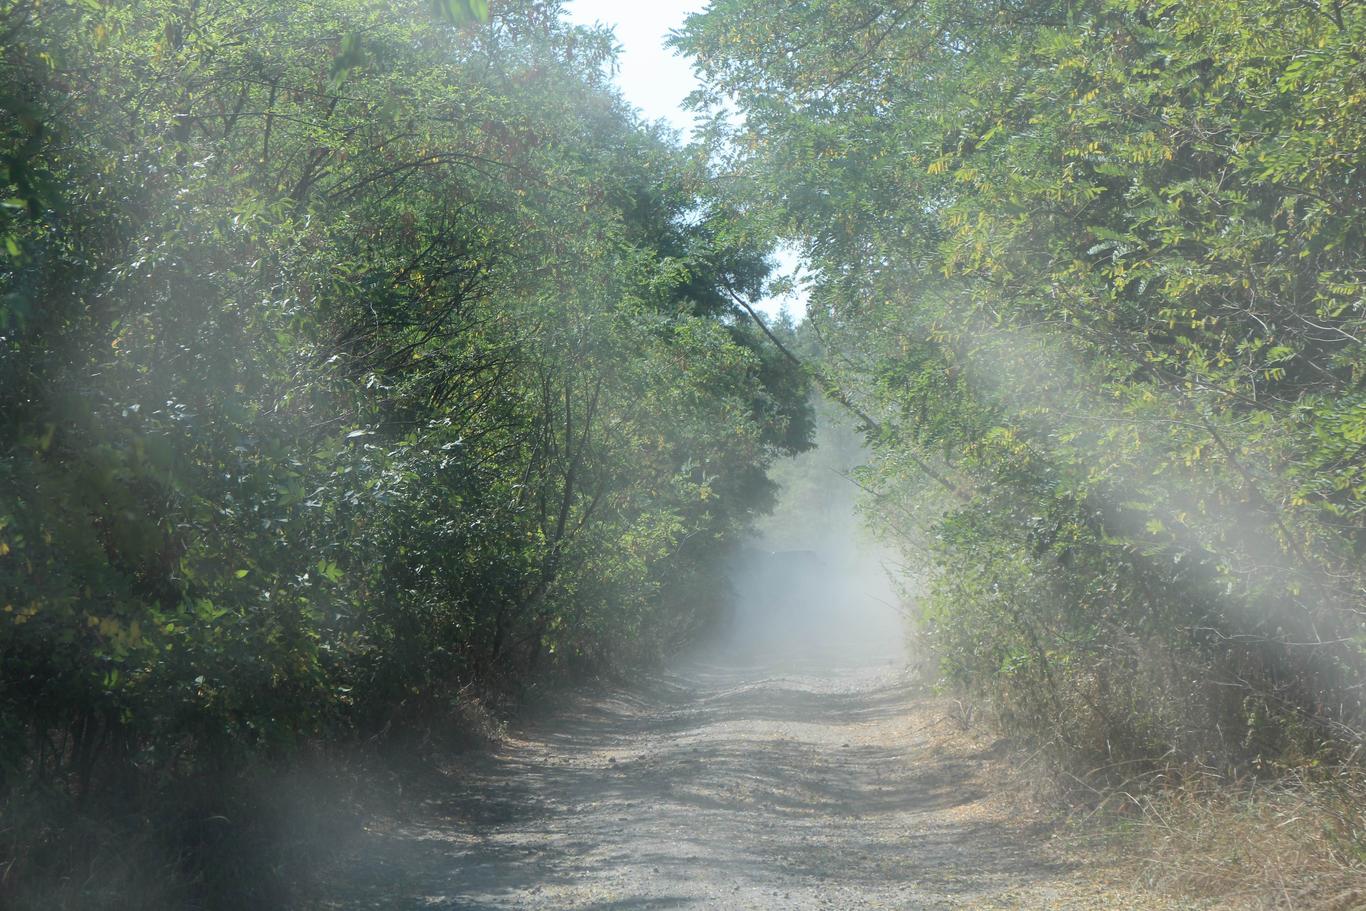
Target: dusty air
[732,455]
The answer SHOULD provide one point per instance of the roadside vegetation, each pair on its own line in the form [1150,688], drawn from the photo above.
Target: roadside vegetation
[1093,272]
[354,357]
[359,359]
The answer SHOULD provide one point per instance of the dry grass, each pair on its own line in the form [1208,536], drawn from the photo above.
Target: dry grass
[1295,844]
[1292,842]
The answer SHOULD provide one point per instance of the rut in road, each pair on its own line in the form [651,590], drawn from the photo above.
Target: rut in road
[715,786]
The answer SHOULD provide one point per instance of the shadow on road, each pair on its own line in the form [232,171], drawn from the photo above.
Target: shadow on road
[712,787]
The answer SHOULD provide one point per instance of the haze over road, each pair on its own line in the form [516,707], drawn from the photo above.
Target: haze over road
[721,785]
[795,765]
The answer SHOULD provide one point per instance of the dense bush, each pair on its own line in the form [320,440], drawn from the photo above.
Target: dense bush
[1096,271]
[350,353]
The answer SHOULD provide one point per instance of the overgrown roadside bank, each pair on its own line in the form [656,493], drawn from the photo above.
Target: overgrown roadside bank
[1090,275]
[352,353]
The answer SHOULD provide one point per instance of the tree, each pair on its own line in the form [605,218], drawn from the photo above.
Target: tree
[1102,263]
[350,353]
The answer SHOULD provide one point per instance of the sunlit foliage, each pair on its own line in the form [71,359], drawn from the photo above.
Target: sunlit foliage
[350,353]
[1102,262]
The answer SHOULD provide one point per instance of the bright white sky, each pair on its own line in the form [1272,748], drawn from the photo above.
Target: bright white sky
[651,76]
[656,80]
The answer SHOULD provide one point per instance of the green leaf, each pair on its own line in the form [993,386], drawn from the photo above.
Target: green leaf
[329,570]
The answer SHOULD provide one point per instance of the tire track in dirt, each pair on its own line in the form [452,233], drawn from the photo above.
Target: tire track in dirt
[722,787]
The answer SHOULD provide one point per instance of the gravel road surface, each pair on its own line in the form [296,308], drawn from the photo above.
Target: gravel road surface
[724,785]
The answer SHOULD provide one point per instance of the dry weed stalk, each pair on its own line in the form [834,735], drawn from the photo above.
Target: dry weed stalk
[1295,843]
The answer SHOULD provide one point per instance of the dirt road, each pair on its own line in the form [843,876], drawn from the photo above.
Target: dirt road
[723,786]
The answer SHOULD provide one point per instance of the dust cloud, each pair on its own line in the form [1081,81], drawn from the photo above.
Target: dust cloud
[814,586]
